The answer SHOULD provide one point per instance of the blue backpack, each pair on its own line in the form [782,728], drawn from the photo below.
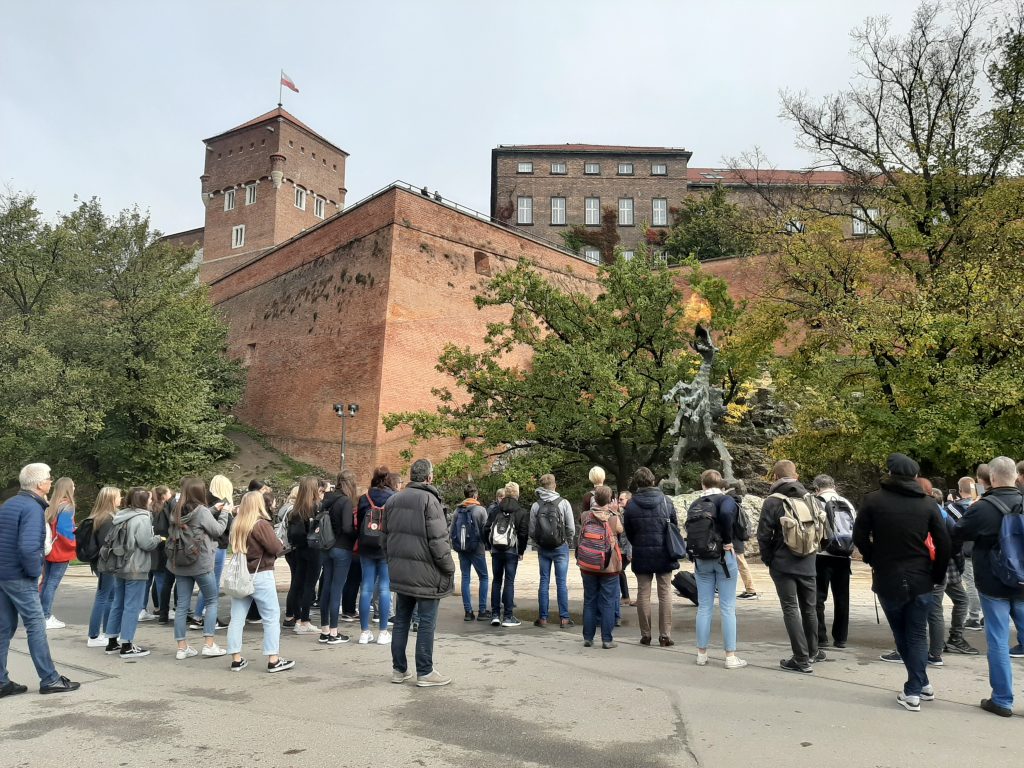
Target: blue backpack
[466,534]
[1008,553]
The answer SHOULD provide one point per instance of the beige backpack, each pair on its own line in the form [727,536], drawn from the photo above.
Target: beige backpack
[802,523]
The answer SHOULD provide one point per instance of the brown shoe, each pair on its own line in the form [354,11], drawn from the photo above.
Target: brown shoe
[665,641]
[566,623]
[540,623]
[645,640]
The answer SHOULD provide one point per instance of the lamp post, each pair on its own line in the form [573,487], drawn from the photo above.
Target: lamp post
[345,412]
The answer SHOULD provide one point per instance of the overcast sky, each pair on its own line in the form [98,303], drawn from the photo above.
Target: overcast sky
[112,99]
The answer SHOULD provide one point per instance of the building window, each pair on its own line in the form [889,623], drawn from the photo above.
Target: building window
[628,255]
[250,194]
[625,169]
[593,255]
[861,227]
[318,207]
[300,198]
[482,262]
[238,236]
[229,200]
[659,169]
[659,212]
[592,169]
[525,211]
[558,169]
[626,212]
[592,208]
[557,211]
[525,168]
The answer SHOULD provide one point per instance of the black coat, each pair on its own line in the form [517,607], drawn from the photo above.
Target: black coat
[981,524]
[416,543]
[645,519]
[339,508]
[774,552]
[890,531]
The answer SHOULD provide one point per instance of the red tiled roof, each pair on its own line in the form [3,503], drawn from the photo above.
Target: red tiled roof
[274,114]
[768,176]
[589,148]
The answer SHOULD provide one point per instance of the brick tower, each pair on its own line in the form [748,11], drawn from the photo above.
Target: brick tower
[264,182]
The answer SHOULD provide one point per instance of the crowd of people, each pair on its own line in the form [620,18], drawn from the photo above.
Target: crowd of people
[388,554]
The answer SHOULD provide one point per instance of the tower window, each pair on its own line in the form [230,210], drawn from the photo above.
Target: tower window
[229,200]
[300,198]
[318,207]
[238,236]
[250,194]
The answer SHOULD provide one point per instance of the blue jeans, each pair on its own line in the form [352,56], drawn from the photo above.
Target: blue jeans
[600,593]
[218,568]
[375,574]
[909,623]
[469,563]
[560,558]
[20,597]
[503,587]
[101,604]
[710,576]
[128,599]
[264,594]
[183,586]
[336,562]
[52,574]
[427,612]
[998,613]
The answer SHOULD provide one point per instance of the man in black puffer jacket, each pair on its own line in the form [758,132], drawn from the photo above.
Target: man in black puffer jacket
[421,568]
[794,575]
[890,532]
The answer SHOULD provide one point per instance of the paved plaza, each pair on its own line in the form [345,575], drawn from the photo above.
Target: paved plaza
[524,696]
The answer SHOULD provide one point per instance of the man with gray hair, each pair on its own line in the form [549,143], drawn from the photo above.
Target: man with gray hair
[1001,601]
[832,563]
[22,537]
[422,570]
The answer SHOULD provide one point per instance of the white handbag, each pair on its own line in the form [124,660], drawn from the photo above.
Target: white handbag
[236,580]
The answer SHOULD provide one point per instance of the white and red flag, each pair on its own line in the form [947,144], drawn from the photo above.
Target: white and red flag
[287,82]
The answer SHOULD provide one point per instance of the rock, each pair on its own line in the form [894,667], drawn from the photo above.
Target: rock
[751,505]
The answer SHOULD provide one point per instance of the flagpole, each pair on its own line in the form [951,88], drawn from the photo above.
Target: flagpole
[280,88]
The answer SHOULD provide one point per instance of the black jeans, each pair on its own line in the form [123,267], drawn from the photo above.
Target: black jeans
[834,573]
[305,571]
[426,611]
[908,620]
[503,581]
[350,592]
[799,596]
[166,588]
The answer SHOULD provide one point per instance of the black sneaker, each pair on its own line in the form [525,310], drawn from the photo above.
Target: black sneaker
[469,616]
[495,620]
[132,651]
[587,643]
[194,623]
[11,688]
[238,666]
[959,645]
[975,625]
[323,638]
[935,661]
[220,626]
[280,665]
[792,665]
[892,658]
[112,647]
[510,621]
[747,596]
[336,639]
[315,604]
[483,616]
[288,623]
[840,644]
[63,685]
[819,656]
[823,643]
[990,706]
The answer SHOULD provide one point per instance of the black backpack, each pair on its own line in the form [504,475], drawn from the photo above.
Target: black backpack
[87,548]
[549,525]
[703,541]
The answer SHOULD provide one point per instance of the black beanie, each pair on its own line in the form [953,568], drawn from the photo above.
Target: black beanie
[902,465]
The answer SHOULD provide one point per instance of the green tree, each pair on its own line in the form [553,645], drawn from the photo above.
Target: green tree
[116,370]
[709,227]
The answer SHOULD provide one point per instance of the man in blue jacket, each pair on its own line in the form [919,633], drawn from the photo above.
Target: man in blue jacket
[22,536]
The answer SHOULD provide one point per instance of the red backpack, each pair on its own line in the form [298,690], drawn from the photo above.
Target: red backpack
[598,548]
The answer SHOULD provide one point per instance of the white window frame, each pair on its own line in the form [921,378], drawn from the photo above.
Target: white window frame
[592,169]
[659,212]
[592,255]
[524,167]
[319,206]
[659,169]
[229,200]
[861,227]
[626,210]
[629,255]
[559,169]
[625,169]
[557,211]
[524,210]
[300,198]
[238,236]
[250,194]
[592,211]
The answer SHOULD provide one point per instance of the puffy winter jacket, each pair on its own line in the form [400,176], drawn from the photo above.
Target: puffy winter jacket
[141,542]
[645,519]
[22,535]
[416,543]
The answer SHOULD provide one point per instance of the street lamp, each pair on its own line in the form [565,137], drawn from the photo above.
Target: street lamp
[345,412]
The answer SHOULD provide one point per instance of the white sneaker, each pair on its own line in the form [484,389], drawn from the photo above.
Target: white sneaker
[734,662]
[366,637]
[702,659]
[928,693]
[186,653]
[384,638]
[213,650]
[171,613]
[97,642]
[54,623]
[304,630]
[145,615]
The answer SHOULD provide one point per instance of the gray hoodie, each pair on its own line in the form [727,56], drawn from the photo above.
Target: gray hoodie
[141,541]
[210,529]
[543,494]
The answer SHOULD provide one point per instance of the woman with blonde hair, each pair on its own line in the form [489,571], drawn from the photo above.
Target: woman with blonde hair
[219,498]
[60,519]
[107,503]
[253,535]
